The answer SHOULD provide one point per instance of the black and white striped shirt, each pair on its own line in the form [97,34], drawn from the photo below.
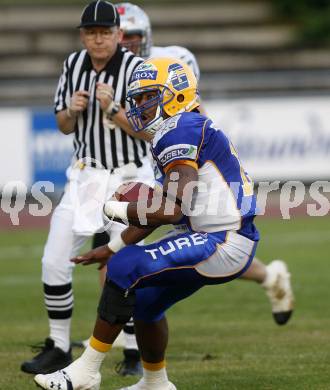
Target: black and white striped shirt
[111,148]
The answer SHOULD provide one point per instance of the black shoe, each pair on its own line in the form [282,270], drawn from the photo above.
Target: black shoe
[50,359]
[131,365]
[281,318]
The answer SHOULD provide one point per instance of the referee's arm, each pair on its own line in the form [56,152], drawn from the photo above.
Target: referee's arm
[66,119]
[65,123]
[104,94]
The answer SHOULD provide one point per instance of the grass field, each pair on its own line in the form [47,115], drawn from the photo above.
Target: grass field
[221,338]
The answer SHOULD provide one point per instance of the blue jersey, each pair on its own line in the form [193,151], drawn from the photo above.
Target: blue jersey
[224,200]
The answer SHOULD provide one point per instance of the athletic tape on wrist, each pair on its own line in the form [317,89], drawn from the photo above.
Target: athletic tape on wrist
[116,244]
[115,209]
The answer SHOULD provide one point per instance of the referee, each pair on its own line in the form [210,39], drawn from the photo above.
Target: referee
[89,102]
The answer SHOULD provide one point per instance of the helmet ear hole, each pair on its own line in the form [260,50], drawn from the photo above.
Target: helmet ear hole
[180,98]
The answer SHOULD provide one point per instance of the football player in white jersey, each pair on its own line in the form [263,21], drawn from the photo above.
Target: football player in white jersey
[274,278]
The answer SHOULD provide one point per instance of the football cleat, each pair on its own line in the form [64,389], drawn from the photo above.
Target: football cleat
[279,291]
[142,385]
[131,365]
[50,359]
[60,380]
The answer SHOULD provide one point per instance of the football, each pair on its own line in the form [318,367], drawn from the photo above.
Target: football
[133,191]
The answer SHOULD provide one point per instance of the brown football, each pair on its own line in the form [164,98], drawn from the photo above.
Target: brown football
[133,191]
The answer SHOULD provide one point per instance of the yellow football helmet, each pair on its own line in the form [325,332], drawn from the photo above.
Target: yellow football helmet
[176,91]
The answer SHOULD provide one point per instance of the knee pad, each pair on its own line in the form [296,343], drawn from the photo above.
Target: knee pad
[116,306]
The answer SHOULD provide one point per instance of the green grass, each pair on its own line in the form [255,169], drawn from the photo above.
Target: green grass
[221,338]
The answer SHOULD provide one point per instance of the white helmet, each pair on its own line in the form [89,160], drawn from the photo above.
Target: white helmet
[133,20]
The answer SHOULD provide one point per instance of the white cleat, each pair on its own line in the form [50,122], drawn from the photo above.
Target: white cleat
[60,380]
[279,291]
[141,385]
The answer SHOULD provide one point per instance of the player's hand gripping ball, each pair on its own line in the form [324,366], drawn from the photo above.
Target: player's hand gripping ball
[128,192]
[133,192]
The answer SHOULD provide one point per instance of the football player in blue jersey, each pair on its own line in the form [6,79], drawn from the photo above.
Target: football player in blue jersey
[205,193]
[274,277]
[137,36]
